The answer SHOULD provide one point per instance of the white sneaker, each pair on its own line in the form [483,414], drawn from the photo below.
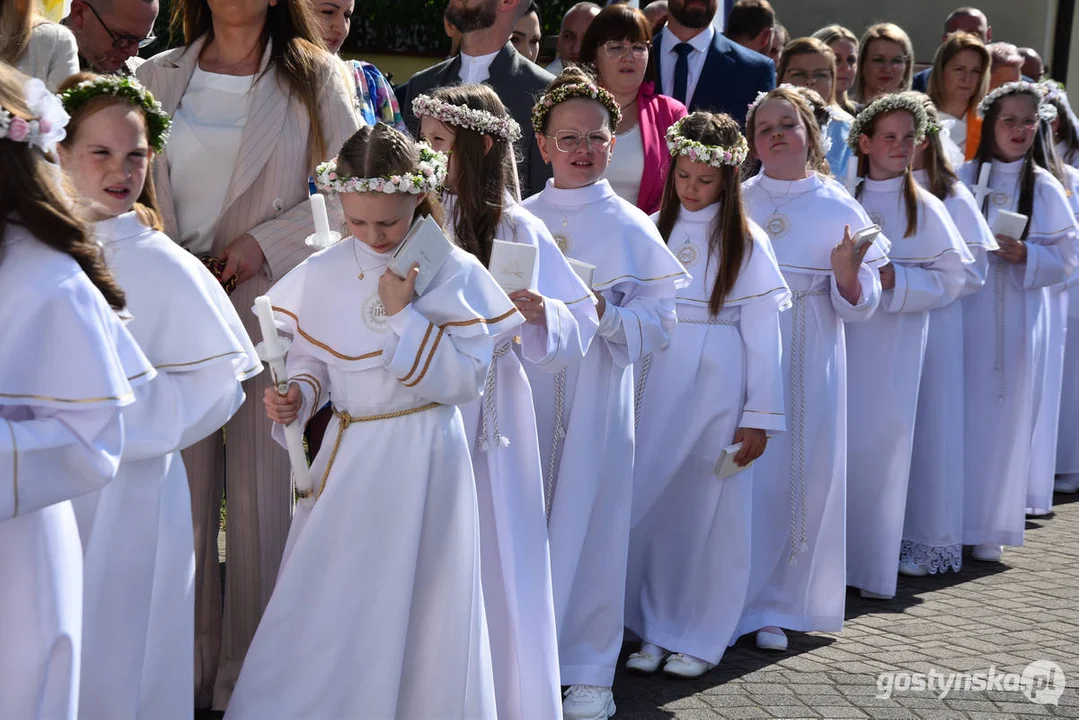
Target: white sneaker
[647,659]
[1066,484]
[771,638]
[911,569]
[686,666]
[867,595]
[587,702]
[987,552]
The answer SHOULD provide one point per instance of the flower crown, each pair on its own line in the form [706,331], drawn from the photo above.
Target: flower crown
[481,121]
[158,121]
[904,101]
[48,119]
[561,94]
[427,177]
[1046,110]
[715,155]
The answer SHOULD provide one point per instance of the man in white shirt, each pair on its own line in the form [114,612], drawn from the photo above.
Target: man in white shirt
[574,24]
[488,56]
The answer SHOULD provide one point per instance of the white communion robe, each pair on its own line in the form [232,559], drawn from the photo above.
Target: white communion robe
[798,568]
[139,567]
[884,361]
[689,545]
[501,430]
[585,418]
[1004,329]
[1067,460]
[933,527]
[378,608]
[67,367]
[1047,408]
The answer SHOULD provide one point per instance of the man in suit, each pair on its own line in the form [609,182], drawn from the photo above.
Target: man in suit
[109,33]
[702,68]
[967,19]
[488,56]
[751,24]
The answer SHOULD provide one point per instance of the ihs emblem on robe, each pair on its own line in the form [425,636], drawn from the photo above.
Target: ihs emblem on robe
[777,226]
[374,314]
[999,199]
[562,242]
[687,255]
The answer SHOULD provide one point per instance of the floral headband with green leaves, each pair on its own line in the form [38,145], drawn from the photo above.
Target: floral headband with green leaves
[896,102]
[715,155]
[158,121]
[1046,110]
[461,116]
[589,91]
[428,176]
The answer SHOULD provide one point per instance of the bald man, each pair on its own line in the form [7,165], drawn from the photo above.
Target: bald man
[965,19]
[109,33]
[656,12]
[574,24]
[1033,67]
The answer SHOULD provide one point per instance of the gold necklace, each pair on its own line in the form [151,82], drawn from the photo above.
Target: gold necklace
[363,270]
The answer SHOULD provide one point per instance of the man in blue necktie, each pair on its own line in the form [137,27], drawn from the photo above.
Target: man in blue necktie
[702,68]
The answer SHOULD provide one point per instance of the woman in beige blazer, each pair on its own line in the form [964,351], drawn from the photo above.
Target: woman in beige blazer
[257,101]
[37,47]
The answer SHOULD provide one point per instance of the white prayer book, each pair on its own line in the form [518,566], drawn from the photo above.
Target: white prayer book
[726,466]
[865,236]
[512,265]
[426,245]
[1009,224]
[584,271]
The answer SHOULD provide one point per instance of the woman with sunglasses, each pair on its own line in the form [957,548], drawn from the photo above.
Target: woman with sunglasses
[618,43]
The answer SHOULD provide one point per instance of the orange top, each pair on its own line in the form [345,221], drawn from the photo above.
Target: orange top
[974,134]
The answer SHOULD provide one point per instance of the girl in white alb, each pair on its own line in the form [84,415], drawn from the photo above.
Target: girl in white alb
[1002,323]
[470,124]
[584,413]
[933,527]
[378,609]
[927,270]
[718,383]
[797,570]
[67,368]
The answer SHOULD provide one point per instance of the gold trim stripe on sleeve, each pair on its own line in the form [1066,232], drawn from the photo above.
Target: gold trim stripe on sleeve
[322,345]
[419,353]
[430,357]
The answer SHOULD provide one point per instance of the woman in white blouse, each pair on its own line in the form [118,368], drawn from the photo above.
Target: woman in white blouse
[256,104]
[37,47]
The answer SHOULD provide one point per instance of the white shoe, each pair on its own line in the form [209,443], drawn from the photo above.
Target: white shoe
[867,595]
[587,702]
[771,638]
[647,659]
[1066,484]
[911,569]
[686,666]
[987,552]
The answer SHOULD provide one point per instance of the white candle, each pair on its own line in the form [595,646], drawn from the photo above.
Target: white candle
[264,310]
[852,174]
[322,221]
[982,188]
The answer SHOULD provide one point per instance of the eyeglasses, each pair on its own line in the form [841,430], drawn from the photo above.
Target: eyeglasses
[803,77]
[124,42]
[1027,123]
[568,141]
[618,50]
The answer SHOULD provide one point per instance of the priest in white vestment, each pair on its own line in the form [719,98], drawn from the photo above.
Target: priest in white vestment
[138,617]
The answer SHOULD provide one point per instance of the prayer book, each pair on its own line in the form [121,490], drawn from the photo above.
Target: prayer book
[426,245]
[726,466]
[584,271]
[865,236]
[1009,224]
[512,265]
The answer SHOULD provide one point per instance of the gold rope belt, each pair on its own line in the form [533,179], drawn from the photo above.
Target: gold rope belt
[345,421]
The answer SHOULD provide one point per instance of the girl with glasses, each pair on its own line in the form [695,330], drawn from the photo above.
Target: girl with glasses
[618,44]
[585,413]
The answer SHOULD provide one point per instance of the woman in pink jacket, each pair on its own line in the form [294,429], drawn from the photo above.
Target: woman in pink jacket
[618,43]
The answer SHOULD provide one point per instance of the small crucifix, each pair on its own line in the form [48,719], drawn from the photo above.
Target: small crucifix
[982,188]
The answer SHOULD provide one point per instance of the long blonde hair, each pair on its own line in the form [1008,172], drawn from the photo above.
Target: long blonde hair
[956,43]
[17,19]
[297,52]
[891,33]
[829,35]
[31,196]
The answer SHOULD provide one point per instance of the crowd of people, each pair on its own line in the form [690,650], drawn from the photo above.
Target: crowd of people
[795,321]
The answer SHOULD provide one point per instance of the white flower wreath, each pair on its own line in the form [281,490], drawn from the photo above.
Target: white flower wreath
[905,101]
[715,155]
[428,176]
[563,93]
[481,121]
[1046,110]
[48,120]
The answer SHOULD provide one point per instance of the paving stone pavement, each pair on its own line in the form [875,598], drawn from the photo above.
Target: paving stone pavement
[990,615]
